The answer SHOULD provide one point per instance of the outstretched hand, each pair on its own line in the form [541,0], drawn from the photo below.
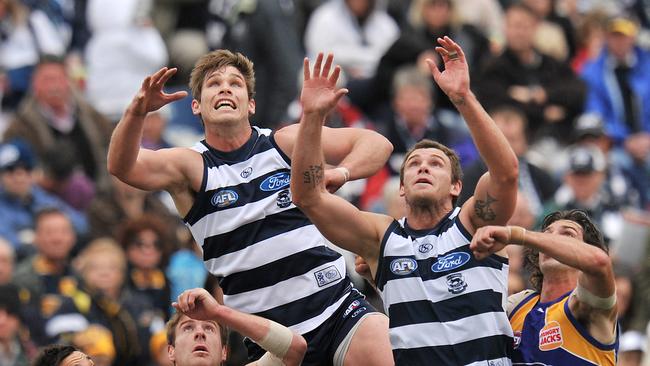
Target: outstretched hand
[151,96]
[319,92]
[197,303]
[488,240]
[454,80]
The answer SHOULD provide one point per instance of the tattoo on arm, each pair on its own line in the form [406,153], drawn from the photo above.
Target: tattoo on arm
[483,209]
[313,175]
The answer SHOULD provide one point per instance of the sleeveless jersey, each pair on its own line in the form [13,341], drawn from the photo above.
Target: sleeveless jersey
[270,259]
[444,306]
[549,334]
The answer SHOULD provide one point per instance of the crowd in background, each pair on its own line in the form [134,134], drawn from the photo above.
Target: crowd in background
[89,260]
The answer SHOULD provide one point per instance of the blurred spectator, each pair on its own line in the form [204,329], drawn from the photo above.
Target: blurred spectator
[547,90]
[136,50]
[429,19]
[97,342]
[358,33]
[129,316]
[589,130]
[7,261]
[15,346]
[24,37]
[54,112]
[486,15]
[47,274]
[585,188]
[64,180]
[619,91]
[590,38]
[147,243]
[186,269]
[21,198]
[154,126]
[619,88]
[555,34]
[69,18]
[265,31]
[535,183]
[414,119]
[632,341]
[121,202]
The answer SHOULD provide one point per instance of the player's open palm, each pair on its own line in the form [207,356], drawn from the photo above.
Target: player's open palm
[454,80]
[319,91]
[151,96]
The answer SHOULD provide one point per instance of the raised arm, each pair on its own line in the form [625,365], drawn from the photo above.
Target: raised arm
[496,192]
[340,222]
[143,168]
[594,303]
[284,346]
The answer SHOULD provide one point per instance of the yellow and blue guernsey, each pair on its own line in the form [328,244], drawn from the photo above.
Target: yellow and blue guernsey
[548,334]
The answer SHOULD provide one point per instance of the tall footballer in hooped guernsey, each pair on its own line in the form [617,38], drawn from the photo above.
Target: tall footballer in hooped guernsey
[445,306]
[232,190]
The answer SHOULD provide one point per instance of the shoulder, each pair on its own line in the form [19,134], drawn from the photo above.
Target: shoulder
[517,299]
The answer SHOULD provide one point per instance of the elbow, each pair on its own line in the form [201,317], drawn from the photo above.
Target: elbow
[112,167]
[115,168]
[510,175]
[385,147]
[300,197]
[600,261]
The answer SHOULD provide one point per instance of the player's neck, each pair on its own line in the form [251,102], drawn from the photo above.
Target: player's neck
[425,217]
[555,285]
[228,138]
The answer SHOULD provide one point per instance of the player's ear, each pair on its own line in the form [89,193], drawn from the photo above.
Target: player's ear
[171,353]
[196,107]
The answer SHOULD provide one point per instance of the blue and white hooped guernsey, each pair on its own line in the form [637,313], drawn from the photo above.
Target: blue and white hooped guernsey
[270,259]
[444,306]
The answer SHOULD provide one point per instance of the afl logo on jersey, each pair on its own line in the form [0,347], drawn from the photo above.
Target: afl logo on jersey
[450,262]
[224,198]
[246,172]
[276,182]
[403,266]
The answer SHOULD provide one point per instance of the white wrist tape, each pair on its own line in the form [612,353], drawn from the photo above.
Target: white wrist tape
[603,303]
[269,360]
[345,172]
[277,340]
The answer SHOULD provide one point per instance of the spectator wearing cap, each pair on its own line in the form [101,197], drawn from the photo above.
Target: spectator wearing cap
[15,346]
[584,188]
[21,198]
[619,90]
[626,188]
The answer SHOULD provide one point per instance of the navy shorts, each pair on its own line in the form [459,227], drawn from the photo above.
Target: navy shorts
[323,341]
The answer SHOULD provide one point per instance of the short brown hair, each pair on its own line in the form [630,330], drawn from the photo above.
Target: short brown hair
[590,235]
[176,318]
[216,60]
[456,170]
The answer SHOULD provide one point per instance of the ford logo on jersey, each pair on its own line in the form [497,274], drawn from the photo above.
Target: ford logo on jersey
[403,266]
[276,182]
[450,262]
[224,198]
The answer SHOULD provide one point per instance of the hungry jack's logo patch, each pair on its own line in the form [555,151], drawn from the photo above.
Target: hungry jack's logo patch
[550,337]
